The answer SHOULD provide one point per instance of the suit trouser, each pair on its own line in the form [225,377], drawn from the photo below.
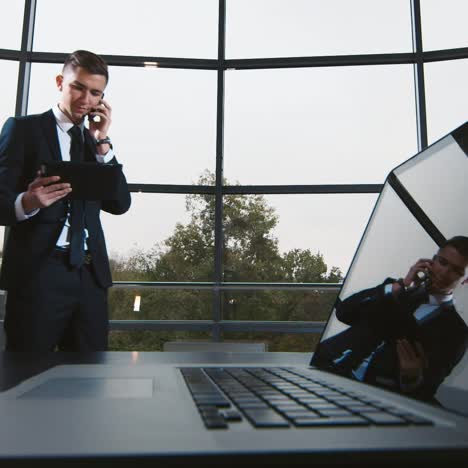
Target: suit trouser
[60,308]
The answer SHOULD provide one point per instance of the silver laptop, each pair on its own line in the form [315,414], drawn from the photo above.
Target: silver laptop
[389,377]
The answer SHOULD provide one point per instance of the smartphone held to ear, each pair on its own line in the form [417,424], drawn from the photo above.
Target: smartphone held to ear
[93,118]
[422,277]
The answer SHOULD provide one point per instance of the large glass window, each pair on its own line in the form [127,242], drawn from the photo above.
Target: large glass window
[284,126]
[176,28]
[294,28]
[318,125]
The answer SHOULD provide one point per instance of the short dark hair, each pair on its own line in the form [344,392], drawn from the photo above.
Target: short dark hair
[92,63]
[459,243]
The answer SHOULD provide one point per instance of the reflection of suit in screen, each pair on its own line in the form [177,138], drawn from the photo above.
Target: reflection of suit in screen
[367,350]
[49,303]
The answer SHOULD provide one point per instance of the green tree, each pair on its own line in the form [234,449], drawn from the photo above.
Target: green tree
[251,254]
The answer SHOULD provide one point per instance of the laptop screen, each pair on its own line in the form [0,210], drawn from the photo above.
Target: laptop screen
[401,319]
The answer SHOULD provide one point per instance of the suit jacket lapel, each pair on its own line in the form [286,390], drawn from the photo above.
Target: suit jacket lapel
[49,126]
[444,308]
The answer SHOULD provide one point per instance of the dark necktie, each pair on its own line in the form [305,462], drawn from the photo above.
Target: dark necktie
[77,225]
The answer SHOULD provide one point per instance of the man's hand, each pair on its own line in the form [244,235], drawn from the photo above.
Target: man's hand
[43,191]
[423,265]
[100,129]
[412,361]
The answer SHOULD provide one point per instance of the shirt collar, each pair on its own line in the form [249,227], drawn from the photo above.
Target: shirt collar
[437,299]
[63,122]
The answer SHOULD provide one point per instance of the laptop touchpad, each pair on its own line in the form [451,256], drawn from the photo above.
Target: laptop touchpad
[92,388]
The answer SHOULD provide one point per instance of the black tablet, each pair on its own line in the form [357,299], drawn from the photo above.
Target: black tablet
[89,180]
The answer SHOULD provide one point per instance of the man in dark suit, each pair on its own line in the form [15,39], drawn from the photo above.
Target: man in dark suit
[405,335]
[55,265]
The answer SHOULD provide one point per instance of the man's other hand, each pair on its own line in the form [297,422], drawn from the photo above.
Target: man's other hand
[412,361]
[43,192]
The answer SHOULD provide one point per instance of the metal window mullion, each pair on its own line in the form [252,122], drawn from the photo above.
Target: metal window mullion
[299,327]
[218,227]
[250,64]
[420,95]
[256,189]
[24,72]
[227,286]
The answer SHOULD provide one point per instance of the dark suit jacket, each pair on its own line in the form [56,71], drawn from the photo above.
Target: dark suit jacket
[25,143]
[375,318]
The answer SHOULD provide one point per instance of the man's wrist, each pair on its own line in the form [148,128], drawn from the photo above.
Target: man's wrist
[397,287]
[21,213]
[26,205]
[102,150]
[103,145]
[103,141]
[402,284]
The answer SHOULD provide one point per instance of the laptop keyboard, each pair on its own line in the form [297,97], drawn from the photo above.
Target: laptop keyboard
[284,397]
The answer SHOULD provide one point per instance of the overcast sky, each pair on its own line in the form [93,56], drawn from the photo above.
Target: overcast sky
[297,126]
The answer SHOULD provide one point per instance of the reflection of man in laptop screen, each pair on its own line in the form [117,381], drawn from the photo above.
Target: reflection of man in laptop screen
[405,335]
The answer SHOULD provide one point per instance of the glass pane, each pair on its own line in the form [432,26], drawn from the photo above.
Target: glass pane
[437,180]
[9,73]
[277,342]
[158,304]
[179,28]
[318,125]
[11,24]
[159,239]
[136,340]
[444,24]
[313,306]
[446,96]
[292,238]
[163,120]
[276,28]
